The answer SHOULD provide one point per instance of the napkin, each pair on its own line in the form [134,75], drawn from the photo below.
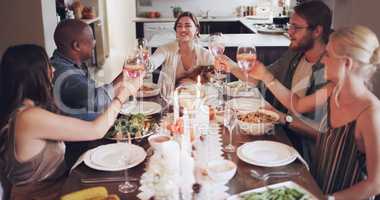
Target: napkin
[81,159]
[300,158]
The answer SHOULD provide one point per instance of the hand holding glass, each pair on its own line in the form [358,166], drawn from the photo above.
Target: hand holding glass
[246,58]
[133,68]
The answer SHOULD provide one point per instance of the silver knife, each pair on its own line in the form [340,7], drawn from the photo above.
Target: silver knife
[107,179]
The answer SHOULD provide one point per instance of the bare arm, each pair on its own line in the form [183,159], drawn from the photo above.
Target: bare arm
[302,127]
[37,123]
[287,98]
[226,64]
[369,130]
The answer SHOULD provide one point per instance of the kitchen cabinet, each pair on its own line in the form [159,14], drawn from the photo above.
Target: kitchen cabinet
[226,27]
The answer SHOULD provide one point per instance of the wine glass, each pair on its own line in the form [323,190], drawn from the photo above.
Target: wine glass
[166,93]
[230,120]
[246,57]
[143,52]
[126,187]
[133,67]
[216,46]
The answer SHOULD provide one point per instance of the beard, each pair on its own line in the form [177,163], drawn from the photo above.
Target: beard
[306,43]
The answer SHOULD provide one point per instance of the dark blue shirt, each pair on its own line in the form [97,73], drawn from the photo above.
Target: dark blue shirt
[75,92]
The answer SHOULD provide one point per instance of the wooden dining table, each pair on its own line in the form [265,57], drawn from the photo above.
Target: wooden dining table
[242,181]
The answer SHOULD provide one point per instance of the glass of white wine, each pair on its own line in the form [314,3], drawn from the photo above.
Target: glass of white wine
[246,58]
[134,67]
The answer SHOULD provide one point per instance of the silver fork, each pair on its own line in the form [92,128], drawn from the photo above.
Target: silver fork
[266,176]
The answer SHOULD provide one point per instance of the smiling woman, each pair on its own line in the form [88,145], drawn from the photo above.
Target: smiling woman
[179,59]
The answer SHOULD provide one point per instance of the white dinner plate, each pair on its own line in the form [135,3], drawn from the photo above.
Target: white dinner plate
[111,157]
[266,153]
[237,89]
[246,104]
[144,107]
[149,93]
[288,184]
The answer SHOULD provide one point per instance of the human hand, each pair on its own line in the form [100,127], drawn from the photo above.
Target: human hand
[260,72]
[223,63]
[129,86]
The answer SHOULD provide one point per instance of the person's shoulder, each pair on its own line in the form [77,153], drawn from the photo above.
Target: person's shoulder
[171,46]
[370,114]
[29,114]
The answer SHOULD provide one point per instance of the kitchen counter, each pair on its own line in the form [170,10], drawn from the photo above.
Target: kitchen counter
[250,19]
[231,40]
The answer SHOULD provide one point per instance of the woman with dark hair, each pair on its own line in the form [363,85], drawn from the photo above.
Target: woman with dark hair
[180,58]
[31,131]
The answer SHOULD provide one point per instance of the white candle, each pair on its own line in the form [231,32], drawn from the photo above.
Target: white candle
[176,106]
[198,88]
[186,130]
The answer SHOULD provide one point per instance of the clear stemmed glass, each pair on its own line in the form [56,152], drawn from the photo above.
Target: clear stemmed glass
[166,93]
[246,57]
[143,53]
[230,120]
[126,187]
[216,46]
[133,67]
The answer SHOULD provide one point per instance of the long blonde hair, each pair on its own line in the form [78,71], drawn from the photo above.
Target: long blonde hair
[360,44]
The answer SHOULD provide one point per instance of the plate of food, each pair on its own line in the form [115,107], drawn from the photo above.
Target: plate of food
[284,190]
[238,89]
[137,126]
[258,122]
[148,90]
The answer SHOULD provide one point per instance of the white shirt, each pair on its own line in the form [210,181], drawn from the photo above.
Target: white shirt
[301,77]
[169,57]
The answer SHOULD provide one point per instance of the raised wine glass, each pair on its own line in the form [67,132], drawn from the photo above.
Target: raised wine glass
[133,67]
[246,58]
[216,45]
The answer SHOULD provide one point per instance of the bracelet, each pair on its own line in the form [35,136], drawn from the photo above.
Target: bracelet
[118,99]
[271,82]
[330,197]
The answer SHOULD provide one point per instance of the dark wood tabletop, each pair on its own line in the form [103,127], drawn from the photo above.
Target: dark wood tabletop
[242,181]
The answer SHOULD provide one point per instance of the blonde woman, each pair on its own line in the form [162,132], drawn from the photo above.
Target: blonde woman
[180,58]
[347,162]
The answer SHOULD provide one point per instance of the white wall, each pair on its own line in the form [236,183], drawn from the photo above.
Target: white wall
[363,12]
[30,21]
[122,31]
[216,7]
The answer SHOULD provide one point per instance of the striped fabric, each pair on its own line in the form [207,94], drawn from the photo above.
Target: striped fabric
[338,162]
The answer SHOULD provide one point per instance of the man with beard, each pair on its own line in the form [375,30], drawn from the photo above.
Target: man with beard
[299,69]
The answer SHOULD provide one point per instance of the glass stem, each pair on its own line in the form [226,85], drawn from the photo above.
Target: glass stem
[246,81]
[231,131]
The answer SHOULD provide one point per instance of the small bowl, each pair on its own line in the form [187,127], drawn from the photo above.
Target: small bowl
[252,128]
[156,140]
[221,170]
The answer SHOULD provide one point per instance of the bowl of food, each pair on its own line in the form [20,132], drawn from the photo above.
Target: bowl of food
[148,90]
[258,122]
[221,170]
[134,126]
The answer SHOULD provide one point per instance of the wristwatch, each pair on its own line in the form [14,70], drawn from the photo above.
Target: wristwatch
[288,120]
